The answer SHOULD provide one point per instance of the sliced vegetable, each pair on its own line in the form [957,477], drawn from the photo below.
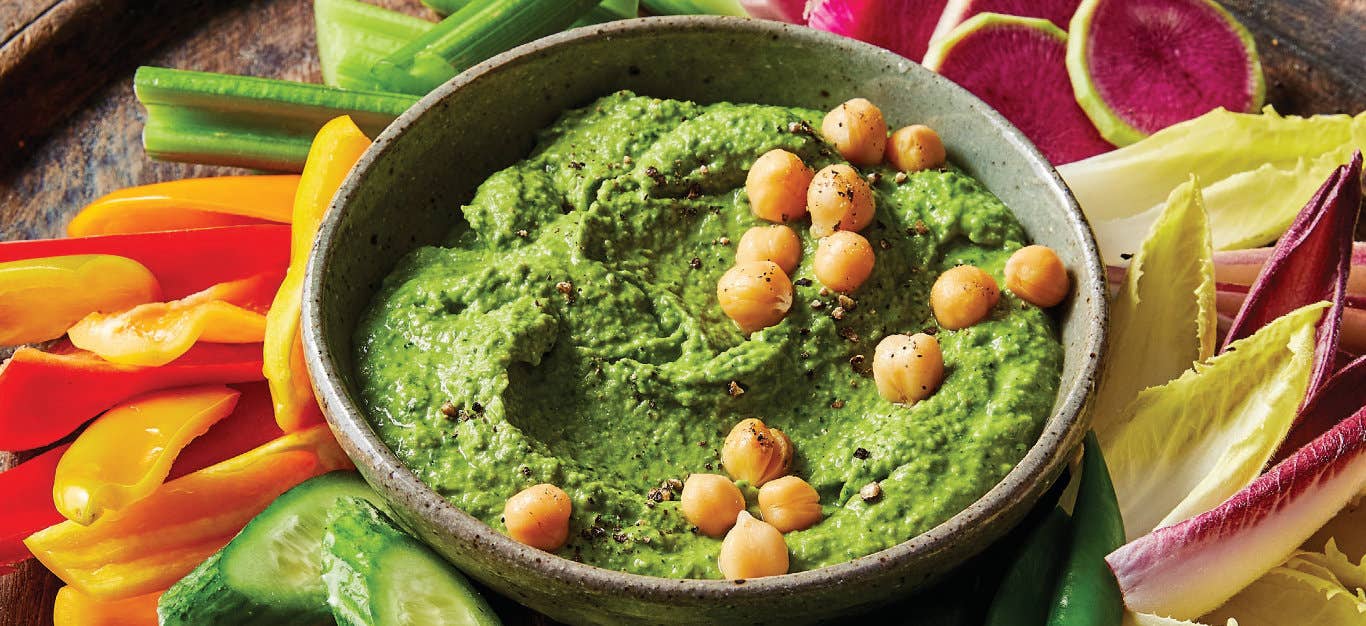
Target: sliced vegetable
[1021,598]
[902,26]
[26,490]
[1257,172]
[1311,263]
[1188,569]
[1139,66]
[160,332]
[259,123]
[188,203]
[272,570]
[46,395]
[1188,445]
[1087,593]
[353,36]
[73,608]
[609,11]
[472,34]
[1241,267]
[1301,592]
[1335,401]
[155,541]
[789,11]
[41,298]
[694,7]
[125,454]
[1017,65]
[251,424]
[377,575]
[176,258]
[1163,318]
[337,147]
[1059,12]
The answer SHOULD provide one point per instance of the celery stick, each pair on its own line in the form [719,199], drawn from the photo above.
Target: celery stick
[445,7]
[354,35]
[688,7]
[608,11]
[257,123]
[473,34]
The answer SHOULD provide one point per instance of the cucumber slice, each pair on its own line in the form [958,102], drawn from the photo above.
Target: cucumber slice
[377,575]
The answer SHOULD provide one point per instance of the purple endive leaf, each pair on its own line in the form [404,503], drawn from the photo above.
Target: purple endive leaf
[1188,569]
[902,26]
[1341,396]
[1310,263]
[789,11]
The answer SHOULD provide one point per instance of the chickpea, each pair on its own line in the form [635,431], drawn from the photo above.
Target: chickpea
[839,199]
[776,243]
[790,503]
[843,261]
[963,296]
[915,148]
[857,130]
[752,549]
[755,453]
[776,186]
[1037,276]
[538,516]
[711,502]
[755,294]
[907,369]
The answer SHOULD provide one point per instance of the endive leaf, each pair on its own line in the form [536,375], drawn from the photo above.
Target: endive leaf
[1163,318]
[1301,592]
[1188,445]
[1148,619]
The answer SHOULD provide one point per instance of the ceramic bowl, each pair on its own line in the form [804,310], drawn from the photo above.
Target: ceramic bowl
[404,193]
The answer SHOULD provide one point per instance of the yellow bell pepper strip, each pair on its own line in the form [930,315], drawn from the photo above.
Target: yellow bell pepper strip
[73,608]
[335,149]
[157,333]
[251,424]
[125,454]
[41,298]
[155,541]
[189,203]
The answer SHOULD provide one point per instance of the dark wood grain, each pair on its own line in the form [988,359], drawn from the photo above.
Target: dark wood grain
[70,127]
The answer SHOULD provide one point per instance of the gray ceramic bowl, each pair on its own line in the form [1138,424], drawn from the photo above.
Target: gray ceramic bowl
[404,193]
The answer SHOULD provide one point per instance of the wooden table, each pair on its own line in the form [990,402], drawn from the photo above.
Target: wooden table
[71,129]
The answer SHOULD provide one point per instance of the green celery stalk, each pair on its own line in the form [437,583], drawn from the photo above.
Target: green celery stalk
[474,33]
[609,11]
[694,7]
[353,36]
[258,123]
[445,7]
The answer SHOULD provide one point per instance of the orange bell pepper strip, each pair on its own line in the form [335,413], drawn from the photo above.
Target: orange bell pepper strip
[152,543]
[41,298]
[73,608]
[126,453]
[26,491]
[44,396]
[188,203]
[159,332]
[183,261]
[336,148]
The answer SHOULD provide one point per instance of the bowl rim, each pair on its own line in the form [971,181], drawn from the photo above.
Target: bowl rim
[351,425]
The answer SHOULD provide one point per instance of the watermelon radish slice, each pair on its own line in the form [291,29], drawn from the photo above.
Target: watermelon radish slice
[1139,66]
[958,11]
[902,26]
[1016,65]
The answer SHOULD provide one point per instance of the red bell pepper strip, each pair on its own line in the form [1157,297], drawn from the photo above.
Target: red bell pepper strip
[184,261]
[46,395]
[251,424]
[26,494]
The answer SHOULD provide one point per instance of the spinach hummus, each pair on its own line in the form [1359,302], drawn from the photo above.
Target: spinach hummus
[568,332]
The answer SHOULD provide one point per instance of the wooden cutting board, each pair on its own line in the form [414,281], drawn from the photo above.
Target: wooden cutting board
[70,128]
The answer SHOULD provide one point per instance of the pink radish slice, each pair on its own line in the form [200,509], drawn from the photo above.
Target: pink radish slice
[1242,266]
[902,26]
[1188,569]
[1310,263]
[1015,64]
[1336,401]
[789,11]
[1139,66]
[958,11]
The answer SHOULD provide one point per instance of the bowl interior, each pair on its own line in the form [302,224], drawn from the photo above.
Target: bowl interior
[408,188]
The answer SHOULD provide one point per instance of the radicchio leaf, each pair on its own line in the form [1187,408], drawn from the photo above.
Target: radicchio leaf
[1334,402]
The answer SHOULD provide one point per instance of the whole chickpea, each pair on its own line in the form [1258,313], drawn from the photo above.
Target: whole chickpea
[915,148]
[710,502]
[776,243]
[839,199]
[538,516]
[843,261]
[755,453]
[963,296]
[907,369]
[790,503]
[752,549]
[776,186]
[857,130]
[755,294]
[1037,276]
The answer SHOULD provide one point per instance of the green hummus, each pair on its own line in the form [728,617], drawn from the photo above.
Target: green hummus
[568,332]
